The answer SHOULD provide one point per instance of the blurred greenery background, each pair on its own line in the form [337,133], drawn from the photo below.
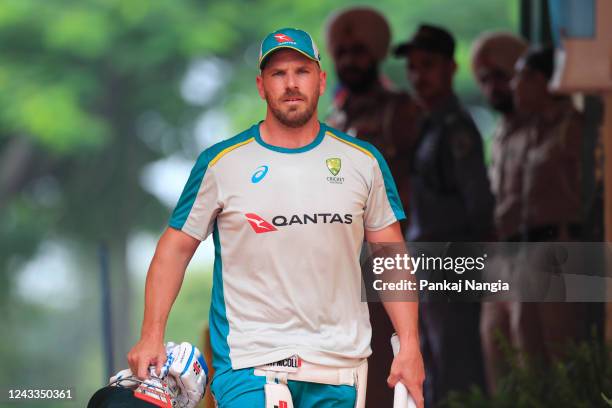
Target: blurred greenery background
[104,106]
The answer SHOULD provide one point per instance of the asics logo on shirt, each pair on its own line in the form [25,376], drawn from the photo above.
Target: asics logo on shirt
[259,174]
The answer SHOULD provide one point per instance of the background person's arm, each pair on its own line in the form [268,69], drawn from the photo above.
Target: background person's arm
[407,366]
[470,177]
[164,279]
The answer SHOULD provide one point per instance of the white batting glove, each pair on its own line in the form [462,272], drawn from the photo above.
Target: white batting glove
[186,366]
[183,377]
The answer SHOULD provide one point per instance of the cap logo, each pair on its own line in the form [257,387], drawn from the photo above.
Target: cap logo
[281,38]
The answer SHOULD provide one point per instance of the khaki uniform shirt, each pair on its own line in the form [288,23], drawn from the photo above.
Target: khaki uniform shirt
[536,171]
[507,156]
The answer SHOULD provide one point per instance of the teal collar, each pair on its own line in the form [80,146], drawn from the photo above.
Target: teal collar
[317,140]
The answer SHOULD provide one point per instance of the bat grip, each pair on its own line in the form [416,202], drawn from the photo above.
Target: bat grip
[401,397]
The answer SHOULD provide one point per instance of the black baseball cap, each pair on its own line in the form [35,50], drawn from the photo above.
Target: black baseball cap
[428,38]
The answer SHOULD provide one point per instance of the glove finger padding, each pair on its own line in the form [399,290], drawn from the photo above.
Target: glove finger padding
[190,372]
[124,378]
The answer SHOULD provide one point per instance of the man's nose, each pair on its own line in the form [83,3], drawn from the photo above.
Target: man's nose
[291,81]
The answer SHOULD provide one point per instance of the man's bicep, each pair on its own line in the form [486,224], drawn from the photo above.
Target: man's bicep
[178,242]
[391,233]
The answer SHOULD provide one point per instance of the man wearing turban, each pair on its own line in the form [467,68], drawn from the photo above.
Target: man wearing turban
[365,106]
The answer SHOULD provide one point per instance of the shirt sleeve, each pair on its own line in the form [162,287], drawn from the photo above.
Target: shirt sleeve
[199,204]
[383,206]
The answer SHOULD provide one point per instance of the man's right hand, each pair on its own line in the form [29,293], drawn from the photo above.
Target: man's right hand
[147,352]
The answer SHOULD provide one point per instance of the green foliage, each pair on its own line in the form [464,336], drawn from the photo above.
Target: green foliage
[579,379]
[40,337]
[189,313]
[72,72]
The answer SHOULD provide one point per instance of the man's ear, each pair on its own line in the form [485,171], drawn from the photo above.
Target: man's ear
[322,82]
[260,88]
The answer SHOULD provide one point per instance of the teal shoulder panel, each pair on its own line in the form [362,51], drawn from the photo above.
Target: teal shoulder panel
[390,187]
[190,191]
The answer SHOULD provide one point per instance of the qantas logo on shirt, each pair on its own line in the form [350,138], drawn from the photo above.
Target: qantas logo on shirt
[260,225]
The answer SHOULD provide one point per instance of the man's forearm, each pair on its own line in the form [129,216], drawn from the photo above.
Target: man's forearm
[164,280]
[404,315]
[405,320]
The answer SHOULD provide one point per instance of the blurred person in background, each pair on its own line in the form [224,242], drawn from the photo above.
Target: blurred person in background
[550,165]
[543,170]
[493,58]
[365,106]
[450,201]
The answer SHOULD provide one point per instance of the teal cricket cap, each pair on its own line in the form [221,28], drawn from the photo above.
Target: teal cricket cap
[291,38]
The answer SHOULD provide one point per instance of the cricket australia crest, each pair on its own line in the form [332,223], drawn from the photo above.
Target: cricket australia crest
[333,165]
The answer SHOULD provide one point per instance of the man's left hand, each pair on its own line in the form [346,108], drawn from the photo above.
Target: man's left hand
[408,368]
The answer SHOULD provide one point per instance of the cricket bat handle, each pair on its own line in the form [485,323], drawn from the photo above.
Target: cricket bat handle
[401,397]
